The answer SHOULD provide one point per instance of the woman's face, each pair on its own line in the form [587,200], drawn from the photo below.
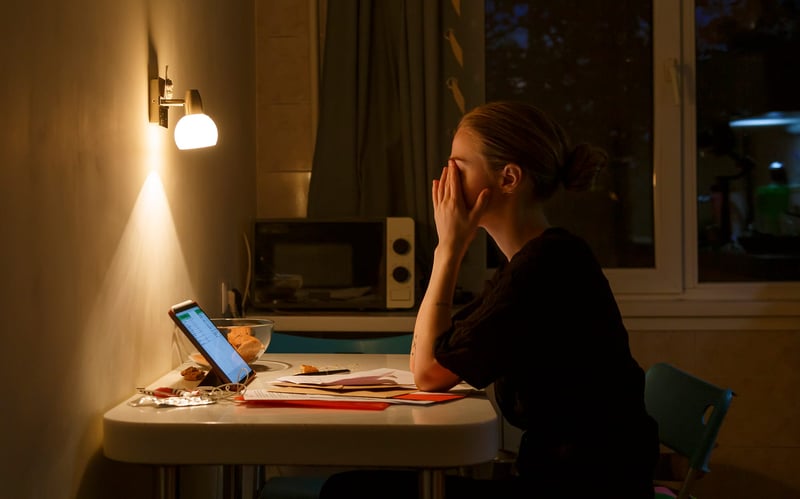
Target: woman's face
[472,166]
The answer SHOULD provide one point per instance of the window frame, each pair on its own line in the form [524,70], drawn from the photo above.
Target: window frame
[666,277]
[672,287]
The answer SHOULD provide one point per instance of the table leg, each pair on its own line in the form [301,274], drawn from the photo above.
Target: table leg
[431,484]
[167,482]
[232,481]
[259,479]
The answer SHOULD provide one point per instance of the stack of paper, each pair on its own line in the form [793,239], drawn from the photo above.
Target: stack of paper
[375,389]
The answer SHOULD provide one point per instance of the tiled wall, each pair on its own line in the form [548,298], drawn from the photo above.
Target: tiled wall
[759,446]
[758,453]
[284,106]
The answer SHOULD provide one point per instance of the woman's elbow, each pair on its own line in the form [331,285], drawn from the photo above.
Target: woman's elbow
[427,385]
[435,379]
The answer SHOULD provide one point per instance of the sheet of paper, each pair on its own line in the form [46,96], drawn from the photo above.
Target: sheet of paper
[382,376]
[342,388]
[261,394]
[348,393]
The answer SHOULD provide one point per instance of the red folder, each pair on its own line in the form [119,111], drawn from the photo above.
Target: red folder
[319,404]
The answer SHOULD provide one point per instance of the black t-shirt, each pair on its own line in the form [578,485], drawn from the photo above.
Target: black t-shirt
[548,333]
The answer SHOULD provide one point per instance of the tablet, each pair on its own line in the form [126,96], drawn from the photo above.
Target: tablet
[226,363]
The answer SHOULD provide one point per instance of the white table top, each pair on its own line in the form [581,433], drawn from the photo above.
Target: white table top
[451,434]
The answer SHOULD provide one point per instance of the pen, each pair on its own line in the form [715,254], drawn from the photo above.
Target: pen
[323,373]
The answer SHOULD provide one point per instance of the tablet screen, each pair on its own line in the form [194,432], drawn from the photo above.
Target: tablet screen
[212,343]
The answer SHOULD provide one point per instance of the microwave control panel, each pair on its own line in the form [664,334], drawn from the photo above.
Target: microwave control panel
[399,262]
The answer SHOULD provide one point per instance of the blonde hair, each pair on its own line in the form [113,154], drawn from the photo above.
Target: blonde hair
[517,132]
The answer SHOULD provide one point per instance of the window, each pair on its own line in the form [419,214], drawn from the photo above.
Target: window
[598,68]
[621,76]
[747,55]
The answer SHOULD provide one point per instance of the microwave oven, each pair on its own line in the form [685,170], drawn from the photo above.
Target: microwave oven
[346,264]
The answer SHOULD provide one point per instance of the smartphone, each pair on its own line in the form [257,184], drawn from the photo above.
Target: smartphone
[225,361]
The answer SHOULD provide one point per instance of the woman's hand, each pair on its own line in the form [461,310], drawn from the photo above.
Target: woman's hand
[456,224]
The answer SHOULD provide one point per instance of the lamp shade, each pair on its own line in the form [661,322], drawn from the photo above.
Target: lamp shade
[194,131]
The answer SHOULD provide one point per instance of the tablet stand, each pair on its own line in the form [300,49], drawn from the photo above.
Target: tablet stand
[211,379]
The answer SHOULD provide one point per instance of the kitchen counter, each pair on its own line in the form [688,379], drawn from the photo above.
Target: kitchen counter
[401,321]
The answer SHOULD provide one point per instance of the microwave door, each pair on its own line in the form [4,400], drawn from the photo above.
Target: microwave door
[326,267]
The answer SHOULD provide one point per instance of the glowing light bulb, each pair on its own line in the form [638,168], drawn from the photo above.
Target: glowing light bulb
[195,131]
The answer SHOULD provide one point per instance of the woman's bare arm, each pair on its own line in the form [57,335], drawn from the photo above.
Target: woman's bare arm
[433,319]
[456,227]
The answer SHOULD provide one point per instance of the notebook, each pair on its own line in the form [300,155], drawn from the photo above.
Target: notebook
[227,366]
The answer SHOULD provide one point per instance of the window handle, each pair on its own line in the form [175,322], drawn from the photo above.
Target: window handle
[673,75]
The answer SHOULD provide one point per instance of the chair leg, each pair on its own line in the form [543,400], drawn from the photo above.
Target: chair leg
[691,476]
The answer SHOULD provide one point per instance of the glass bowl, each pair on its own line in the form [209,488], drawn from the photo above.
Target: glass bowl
[250,337]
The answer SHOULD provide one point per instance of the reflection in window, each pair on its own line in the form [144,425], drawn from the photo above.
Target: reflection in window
[748,123]
[588,65]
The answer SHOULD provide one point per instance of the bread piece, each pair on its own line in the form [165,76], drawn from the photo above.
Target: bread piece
[250,349]
[239,334]
[193,373]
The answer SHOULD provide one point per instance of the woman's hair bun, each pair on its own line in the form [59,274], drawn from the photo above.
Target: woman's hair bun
[582,166]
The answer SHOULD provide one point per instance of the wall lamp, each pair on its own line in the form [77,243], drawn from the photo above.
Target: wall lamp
[195,129]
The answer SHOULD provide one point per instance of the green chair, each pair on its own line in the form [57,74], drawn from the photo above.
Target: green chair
[689,412]
[309,486]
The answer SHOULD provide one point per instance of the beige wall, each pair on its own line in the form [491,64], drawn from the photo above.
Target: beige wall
[105,224]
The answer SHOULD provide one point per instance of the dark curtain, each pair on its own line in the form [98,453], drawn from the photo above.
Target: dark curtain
[386,112]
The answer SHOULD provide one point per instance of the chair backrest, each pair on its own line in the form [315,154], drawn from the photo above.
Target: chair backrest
[689,412]
[292,343]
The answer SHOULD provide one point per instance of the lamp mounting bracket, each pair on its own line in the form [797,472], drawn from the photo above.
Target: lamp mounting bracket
[160,100]
[158,112]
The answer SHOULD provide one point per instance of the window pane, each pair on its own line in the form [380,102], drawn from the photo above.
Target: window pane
[748,123]
[589,65]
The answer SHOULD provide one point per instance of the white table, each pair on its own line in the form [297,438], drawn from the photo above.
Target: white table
[429,438]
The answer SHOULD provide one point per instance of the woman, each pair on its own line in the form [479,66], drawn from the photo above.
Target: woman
[546,330]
